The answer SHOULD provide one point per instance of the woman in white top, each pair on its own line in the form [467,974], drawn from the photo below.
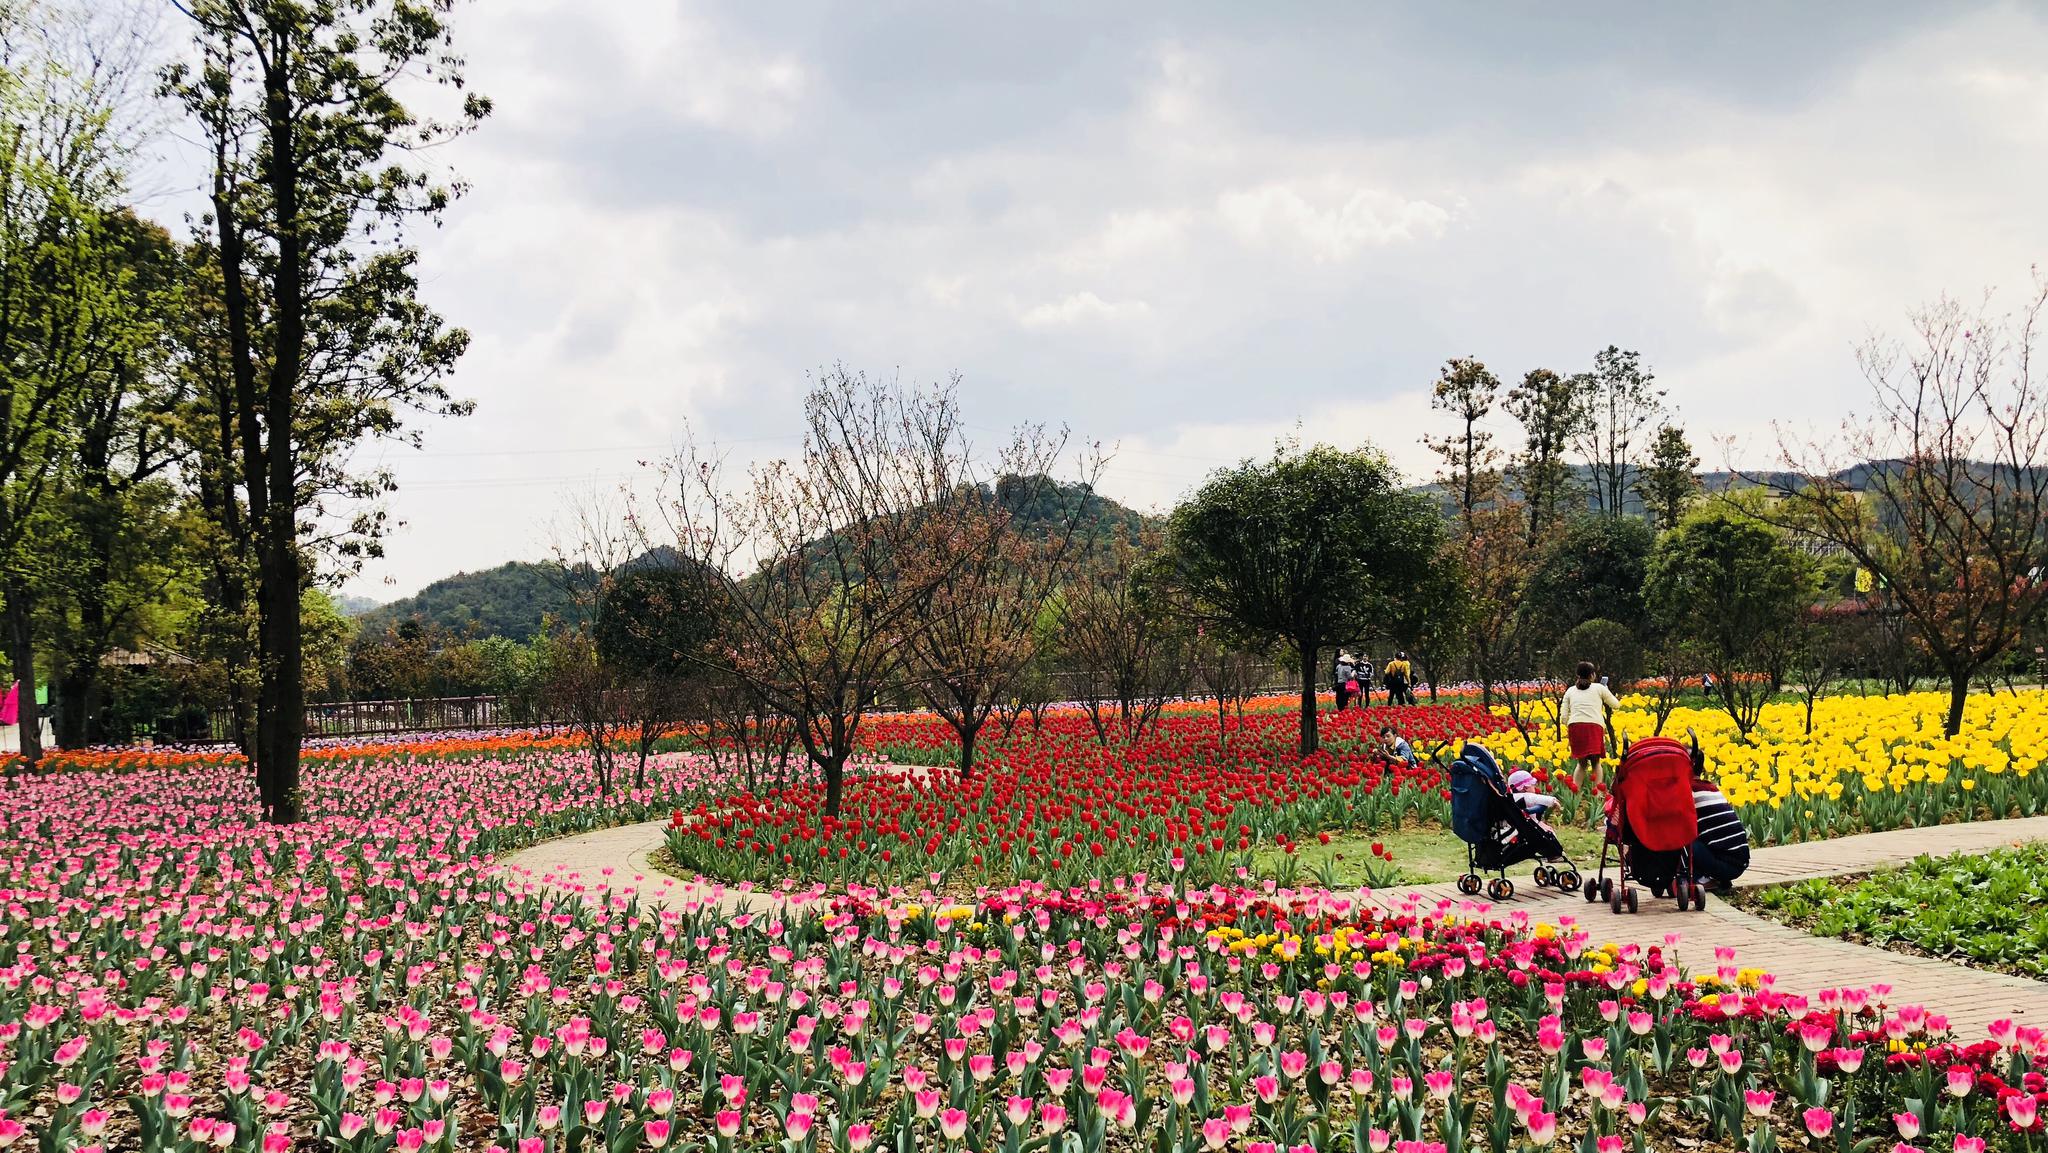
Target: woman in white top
[1584,713]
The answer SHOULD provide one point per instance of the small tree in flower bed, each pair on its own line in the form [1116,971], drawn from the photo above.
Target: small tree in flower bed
[179,977]
[1062,807]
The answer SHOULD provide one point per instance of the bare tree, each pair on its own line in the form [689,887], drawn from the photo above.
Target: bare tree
[1128,652]
[1671,665]
[1232,672]
[590,544]
[1818,649]
[837,551]
[1498,561]
[1940,493]
[1011,547]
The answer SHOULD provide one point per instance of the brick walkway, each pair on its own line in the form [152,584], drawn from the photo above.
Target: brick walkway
[617,859]
[1798,962]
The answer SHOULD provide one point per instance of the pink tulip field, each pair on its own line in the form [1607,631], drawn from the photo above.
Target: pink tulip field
[176,975]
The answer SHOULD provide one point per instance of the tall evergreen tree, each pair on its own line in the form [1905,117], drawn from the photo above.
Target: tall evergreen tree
[1671,478]
[327,342]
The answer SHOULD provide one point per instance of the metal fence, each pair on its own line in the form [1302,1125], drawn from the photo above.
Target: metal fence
[370,718]
[436,714]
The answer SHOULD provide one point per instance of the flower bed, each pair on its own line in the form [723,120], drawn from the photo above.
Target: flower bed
[1871,763]
[180,977]
[1988,909]
[1059,807]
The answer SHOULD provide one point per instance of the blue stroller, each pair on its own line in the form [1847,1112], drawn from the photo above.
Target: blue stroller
[1497,833]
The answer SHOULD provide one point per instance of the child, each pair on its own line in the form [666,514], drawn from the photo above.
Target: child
[1530,795]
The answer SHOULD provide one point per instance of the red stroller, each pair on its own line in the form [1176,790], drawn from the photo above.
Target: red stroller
[1653,828]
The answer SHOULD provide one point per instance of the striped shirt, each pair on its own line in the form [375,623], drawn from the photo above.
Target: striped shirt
[1720,829]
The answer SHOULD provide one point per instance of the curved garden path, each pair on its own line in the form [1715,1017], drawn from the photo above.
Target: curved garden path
[618,860]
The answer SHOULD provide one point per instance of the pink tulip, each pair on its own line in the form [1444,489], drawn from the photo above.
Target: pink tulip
[656,1133]
[2023,1109]
[728,1122]
[1542,1128]
[953,1124]
[1052,1118]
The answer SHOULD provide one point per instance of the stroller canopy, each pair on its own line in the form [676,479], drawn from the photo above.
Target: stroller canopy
[1653,786]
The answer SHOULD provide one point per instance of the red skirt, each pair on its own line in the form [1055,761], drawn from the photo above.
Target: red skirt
[1588,740]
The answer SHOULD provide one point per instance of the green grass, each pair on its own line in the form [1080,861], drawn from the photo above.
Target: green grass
[1989,910]
[1422,854]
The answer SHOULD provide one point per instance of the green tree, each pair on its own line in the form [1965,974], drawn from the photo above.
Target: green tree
[1551,410]
[1432,619]
[60,170]
[1612,646]
[1621,401]
[327,342]
[1671,479]
[1735,590]
[1595,570]
[125,540]
[1308,549]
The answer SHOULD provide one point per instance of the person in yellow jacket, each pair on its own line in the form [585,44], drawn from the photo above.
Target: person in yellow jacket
[1398,677]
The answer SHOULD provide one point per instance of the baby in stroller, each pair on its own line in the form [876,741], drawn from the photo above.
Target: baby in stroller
[1530,795]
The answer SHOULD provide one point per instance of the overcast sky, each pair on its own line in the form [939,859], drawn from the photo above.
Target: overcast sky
[1188,229]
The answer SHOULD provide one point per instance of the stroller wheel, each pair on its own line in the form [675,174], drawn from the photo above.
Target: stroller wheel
[1699,898]
[1607,891]
[1568,880]
[1501,889]
[1614,901]
[1684,897]
[1630,895]
[1592,892]
[1469,884]
[1542,875]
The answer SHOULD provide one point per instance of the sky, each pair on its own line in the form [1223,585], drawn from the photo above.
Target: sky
[1187,230]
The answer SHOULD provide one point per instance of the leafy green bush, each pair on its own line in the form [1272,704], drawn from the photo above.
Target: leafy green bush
[1987,909]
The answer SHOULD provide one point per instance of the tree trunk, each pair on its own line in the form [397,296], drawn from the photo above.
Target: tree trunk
[21,653]
[1308,696]
[967,734]
[834,769]
[78,722]
[280,695]
[1958,694]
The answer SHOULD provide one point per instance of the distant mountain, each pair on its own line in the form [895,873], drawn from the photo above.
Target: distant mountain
[354,606]
[507,601]
[511,600]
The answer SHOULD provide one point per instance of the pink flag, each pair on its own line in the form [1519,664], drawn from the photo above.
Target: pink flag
[10,708]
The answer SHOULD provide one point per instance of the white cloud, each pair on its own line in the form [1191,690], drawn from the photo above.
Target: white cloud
[1191,241]
[1080,308]
[1328,219]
